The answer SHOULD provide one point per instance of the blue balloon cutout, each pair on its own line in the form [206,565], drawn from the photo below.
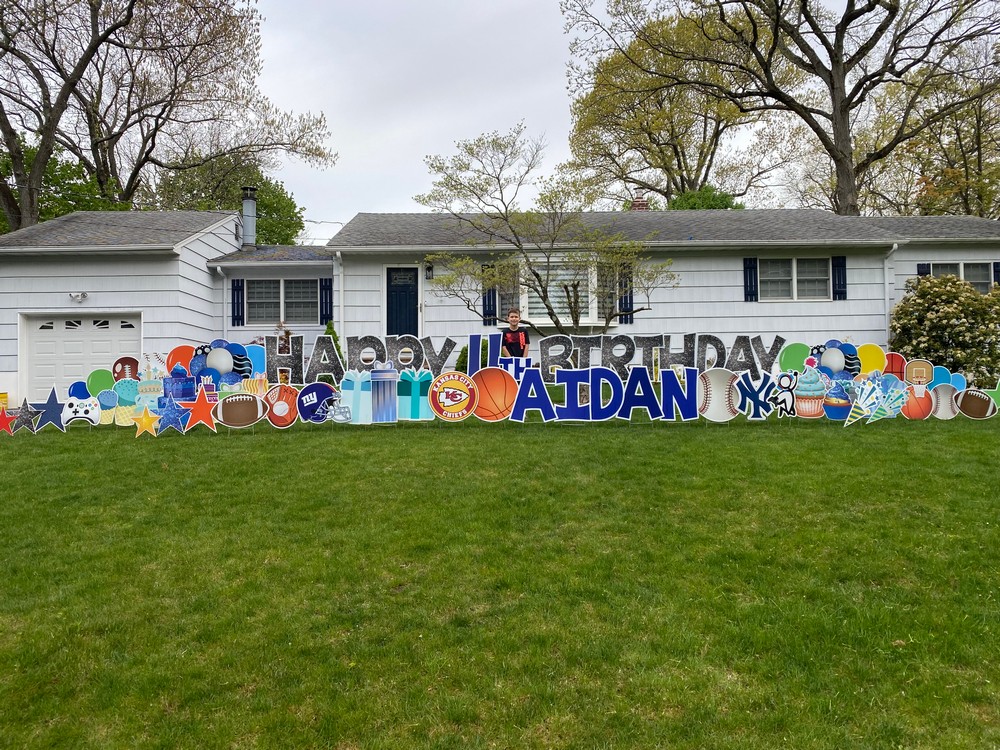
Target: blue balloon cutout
[833,344]
[826,371]
[198,363]
[258,358]
[237,350]
[849,349]
[219,344]
[79,390]
[231,378]
[941,375]
[958,380]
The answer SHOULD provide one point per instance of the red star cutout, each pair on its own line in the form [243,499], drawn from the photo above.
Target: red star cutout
[6,420]
[201,411]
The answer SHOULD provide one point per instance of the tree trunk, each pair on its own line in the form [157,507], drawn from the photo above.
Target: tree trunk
[845,198]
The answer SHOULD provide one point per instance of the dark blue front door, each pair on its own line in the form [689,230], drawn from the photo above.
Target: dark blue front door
[401,301]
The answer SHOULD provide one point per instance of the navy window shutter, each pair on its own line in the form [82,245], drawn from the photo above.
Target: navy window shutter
[838,264]
[490,297]
[325,300]
[750,287]
[996,272]
[923,269]
[239,318]
[626,304]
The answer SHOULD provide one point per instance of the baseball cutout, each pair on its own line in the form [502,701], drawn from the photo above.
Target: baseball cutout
[717,395]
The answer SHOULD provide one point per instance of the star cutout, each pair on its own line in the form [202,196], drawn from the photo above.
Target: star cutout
[51,412]
[201,411]
[146,422]
[25,417]
[6,420]
[173,415]
[994,394]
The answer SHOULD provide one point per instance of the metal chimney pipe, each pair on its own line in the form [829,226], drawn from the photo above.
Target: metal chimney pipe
[249,216]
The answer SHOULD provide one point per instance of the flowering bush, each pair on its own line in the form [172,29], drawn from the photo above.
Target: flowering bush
[944,320]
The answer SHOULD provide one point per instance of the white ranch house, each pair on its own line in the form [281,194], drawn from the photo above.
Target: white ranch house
[79,291]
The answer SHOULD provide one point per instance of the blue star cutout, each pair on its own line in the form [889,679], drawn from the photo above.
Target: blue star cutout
[25,418]
[173,415]
[51,412]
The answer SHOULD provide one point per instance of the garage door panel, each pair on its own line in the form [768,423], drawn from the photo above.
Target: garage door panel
[64,349]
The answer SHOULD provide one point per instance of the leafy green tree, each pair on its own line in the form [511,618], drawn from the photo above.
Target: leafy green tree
[631,130]
[824,66]
[568,266]
[947,322]
[216,185]
[705,198]
[128,87]
[66,187]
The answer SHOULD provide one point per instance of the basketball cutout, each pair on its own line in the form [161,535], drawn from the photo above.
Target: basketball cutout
[895,364]
[497,392]
[918,406]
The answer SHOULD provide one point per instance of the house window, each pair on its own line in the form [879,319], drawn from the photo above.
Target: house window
[558,277]
[601,292]
[270,301]
[977,274]
[794,278]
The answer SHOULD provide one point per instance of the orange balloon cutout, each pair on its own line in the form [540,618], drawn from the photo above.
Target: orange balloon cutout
[180,355]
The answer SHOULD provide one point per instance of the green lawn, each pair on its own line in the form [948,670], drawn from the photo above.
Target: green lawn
[792,584]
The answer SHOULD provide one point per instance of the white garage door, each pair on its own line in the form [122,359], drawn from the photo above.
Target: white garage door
[64,349]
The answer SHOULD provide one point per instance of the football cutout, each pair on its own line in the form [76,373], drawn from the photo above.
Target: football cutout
[282,406]
[125,368]
[497,393]
[240,410]
[975,404]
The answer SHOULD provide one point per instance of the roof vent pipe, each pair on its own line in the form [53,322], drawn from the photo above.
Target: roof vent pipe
[249,216]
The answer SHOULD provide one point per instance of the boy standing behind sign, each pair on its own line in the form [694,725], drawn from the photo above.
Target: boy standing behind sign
[514,341]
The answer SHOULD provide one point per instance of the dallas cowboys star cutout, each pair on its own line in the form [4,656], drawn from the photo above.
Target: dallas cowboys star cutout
[173,415]
[51,412]
[6,420]
[995,394]
[25,417]
[201,411]
[146,422]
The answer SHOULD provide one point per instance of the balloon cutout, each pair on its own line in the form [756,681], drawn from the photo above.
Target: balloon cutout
[198,363]
[100,380]
[872,358]
[180,355]
[793,357]
[79,390]
[220,360]
[833,359]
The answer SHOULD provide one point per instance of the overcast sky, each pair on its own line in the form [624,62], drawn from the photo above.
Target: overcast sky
[399,80]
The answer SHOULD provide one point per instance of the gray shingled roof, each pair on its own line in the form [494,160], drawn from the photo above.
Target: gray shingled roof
[723,227]
[936,227]
[278,253]
[87,229]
